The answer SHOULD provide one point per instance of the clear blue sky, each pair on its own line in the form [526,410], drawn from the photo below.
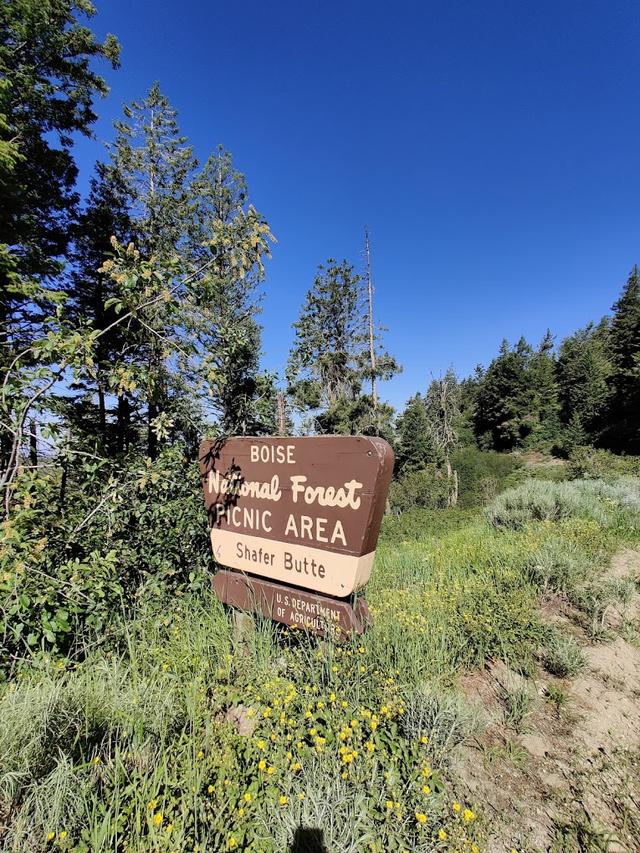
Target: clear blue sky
[492,148]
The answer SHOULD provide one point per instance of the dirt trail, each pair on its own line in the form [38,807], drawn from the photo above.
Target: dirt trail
[570,780]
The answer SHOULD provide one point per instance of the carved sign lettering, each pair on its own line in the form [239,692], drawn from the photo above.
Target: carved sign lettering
[303,511]
[300,609]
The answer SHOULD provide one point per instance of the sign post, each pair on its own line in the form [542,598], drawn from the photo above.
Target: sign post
[297,519]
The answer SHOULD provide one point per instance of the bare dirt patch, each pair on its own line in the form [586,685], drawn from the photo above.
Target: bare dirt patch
[569,780]
[536,459]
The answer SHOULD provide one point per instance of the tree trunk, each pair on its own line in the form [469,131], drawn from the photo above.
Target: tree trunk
[452,479]
[282,417]
[122,427]
[152,438]
[33,445]
[372,347]
[102,415]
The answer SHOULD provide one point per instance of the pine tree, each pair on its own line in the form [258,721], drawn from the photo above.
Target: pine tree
[583,371]
[92,292]
[545,402]
[153,164]
[442,404]
[415,446]
[503,417]
[322,372]
[624,346]
[331,357]
[47,90]
[232,238]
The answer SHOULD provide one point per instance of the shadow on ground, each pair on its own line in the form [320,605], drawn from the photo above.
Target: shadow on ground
[308,840]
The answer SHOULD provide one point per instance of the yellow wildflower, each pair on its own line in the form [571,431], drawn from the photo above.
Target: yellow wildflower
[247,797]
[270,771]
[426,789]
[157,818]
[389,804]
[468,815]
[282,800]
[442,835]
[421,817]
[51,836]
[424,740]
[262,764]
[456,807]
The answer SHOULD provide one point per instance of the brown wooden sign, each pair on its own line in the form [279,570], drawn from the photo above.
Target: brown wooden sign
[304,511]
[298,608]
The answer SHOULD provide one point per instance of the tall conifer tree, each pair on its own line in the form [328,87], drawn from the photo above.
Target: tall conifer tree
[330,358]
[153,165]
[624,344]
[415,445]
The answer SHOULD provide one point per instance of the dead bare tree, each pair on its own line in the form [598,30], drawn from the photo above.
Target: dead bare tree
[443,409]
[370,329]
[282,415]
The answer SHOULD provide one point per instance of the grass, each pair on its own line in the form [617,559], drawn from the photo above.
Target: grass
[557,696]
[563,656]
[135,747]
[518,704]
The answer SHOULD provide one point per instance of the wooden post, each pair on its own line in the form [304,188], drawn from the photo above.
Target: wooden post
[243,628]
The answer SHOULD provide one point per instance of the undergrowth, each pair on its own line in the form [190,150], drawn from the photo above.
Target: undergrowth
[170,734]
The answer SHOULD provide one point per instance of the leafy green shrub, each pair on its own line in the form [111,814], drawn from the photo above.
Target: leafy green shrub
[563,656]
[588,462]
[75,560]
[420,524]
[427,488]
[483,474]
